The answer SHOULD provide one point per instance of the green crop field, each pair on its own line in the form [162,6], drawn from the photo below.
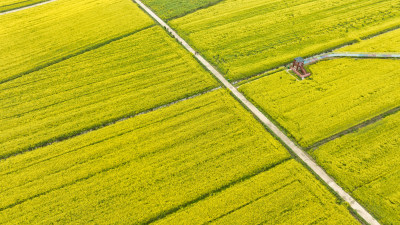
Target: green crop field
[140,168]
[340,94]
[168,9]
[367,164]
[7,5]
[243,38]
[123,78]
[387,42]
[33,38]
[285,194]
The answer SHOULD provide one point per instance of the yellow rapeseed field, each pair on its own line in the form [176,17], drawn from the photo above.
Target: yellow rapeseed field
[388,42]
[140,168]
[367,164]
[92,132]
[6,5]
[341,93]
[35,37]
[285,194]
[246,37]
[123,78]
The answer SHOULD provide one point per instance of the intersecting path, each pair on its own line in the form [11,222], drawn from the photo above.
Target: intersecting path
[26,7]
[271,126]
[317,58]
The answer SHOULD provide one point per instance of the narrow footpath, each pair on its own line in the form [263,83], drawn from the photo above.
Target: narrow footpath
[363,55]
[274,129]
[26,7]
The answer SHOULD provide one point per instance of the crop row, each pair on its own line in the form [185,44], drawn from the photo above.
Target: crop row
[367,164]
[285,194]
[167,9]
[7,5]
[244,38]
[35,37]
[140,168]
[126,77]
[387,42]
[340,94]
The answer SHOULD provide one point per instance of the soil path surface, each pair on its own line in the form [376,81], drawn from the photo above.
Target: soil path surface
[317,58]
[26,7]
[301,154]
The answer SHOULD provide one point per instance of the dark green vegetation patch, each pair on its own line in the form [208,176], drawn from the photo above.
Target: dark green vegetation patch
[169,9]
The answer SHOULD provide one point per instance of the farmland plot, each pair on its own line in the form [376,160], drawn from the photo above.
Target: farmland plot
[340,94]
[246,37]
[168,9]
[7,5]
[140,168]
[367,164]
[285,194]
[123,78]
[35,37]
[387,42]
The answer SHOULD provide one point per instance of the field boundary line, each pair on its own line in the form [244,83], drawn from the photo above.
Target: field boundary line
[79,52]
[328,51]
[21,201]
[301,154]
[164,214]
[224,187]
[26,7]
[251,201]
[318,58]
[354,128]
[257,76]
[73,134]
[16,3]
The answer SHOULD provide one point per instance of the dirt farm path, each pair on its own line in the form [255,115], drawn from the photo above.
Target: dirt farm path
[26,7]
[271,126]
[333,55]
